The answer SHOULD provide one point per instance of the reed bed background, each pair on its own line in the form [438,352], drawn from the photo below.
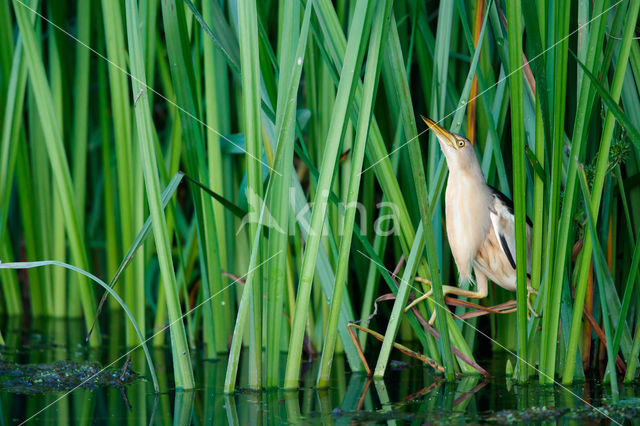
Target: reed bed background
[252,176]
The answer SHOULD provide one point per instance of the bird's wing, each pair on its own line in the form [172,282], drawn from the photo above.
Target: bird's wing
[503,223]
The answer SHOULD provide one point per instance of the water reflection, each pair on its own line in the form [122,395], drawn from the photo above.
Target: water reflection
[410,394]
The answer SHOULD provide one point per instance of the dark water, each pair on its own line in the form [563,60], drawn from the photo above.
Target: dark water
[409,394]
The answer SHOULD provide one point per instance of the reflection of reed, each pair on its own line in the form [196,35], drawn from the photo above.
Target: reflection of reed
[324,405]
[293,407]
[383,395]
[425,359]
[356,392]
[230,408]
[138,392]
[154,409]
[414,394]
[463,400]
[183,407]
[364,393]
[423,391]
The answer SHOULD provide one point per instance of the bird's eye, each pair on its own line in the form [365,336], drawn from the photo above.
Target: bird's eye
[461,143]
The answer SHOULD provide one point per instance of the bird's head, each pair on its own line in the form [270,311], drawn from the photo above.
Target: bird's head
[458,150]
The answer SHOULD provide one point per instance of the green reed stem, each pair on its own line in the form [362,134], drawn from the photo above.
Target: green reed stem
[601,170]
[57,157]
[181,358]
[374,59]
[551,315]
[250,75]
[183,79]
[602,272]
[291,60]
[350,71]
[514,35]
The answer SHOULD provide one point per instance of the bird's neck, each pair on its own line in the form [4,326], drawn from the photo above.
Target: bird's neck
[469,177]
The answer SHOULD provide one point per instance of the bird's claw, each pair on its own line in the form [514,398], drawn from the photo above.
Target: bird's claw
[423,297]
[530,310]
[427,295]
[432,320]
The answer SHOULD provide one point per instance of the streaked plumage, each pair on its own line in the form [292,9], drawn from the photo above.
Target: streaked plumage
[479,220]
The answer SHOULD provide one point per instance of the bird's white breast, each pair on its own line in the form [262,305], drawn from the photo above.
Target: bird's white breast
[467,214]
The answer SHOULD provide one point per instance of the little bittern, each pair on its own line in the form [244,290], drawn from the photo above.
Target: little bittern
[480,223]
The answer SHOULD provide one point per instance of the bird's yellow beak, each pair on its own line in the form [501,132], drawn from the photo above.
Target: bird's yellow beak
[442,134]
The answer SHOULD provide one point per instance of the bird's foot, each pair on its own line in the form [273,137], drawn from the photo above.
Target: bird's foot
[446,290]
[427,295]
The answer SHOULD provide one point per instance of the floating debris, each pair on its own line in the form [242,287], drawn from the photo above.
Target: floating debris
[530,415]
[626,409]
[61,376]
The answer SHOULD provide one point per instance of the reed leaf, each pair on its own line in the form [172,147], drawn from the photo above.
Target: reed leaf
[107,288]
[380,23]
[601,169]
[216,321]
[602,271]
[250,67]
[57,158]
[291,61]
[514,33]
[350,72]
[180,350]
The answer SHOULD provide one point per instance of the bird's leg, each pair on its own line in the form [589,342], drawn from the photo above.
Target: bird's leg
[483,290]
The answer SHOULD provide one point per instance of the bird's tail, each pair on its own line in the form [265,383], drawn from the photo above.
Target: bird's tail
[465,282]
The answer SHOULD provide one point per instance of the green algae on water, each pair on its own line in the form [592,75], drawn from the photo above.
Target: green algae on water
[61,376]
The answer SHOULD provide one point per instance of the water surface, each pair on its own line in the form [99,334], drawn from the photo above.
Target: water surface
[410,393]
